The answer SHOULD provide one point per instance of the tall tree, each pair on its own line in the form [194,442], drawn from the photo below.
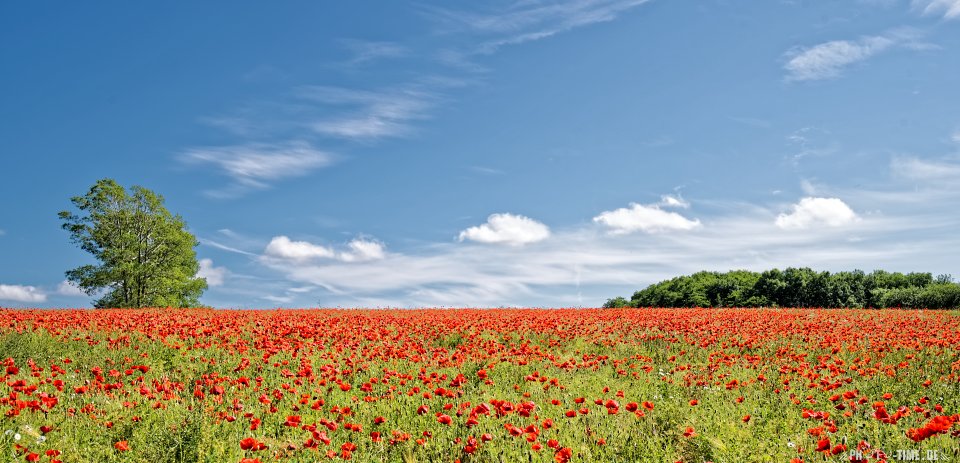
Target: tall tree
[145,253]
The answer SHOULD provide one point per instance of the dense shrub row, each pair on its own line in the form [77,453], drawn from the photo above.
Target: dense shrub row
[798,287]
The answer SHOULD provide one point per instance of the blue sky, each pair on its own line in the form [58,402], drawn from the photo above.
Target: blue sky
[504,153]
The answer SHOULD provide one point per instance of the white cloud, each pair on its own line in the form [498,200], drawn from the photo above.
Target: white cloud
[810,212]
[301,289]
[362,250]
[674,201]
[582,265]
[214,275]
[372,114]
[66,288]
[913,168]
[828,60]
[950,9]
[510,229]
[256,165]
[956,136]
[282,247]
[906,229]
[20,293]
[279,299]
[601,265]
[224,247]
[648,219]
[358,250]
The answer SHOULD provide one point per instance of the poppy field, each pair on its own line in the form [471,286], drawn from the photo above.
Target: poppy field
[448,385]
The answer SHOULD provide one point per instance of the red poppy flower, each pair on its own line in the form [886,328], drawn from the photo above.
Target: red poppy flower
[252,444]
[823,445]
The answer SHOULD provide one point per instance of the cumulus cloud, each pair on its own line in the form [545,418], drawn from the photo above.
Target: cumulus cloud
[214,275]
[950,9]
[510,229]
[811,212]
[357,250]
[66,288]
[19,293]
[646,218]
[282,247]
[828,60]
[362,250]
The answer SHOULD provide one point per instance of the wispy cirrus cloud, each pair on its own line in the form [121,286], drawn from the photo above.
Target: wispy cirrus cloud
[949,9]
[520,21]
[369,115]
[810,142]
[365,51]
[365,115]
[926,170]
[828,60]
[257,165]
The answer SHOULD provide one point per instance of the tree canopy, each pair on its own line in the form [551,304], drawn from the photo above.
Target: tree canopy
[798,287]
[145,253]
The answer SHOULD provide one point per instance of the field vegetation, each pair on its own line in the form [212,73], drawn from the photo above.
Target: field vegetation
[637,385]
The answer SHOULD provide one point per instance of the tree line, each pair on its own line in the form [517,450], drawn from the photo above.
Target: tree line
[798,287]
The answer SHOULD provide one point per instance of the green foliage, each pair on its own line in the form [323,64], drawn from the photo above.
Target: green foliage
[145,253]
[616,303]
[799,287]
